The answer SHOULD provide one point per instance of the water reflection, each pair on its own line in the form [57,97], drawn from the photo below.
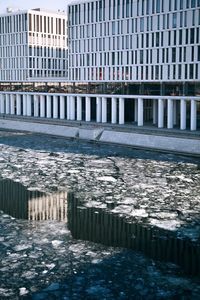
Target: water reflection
[21,203]
[102,226]
[99,225]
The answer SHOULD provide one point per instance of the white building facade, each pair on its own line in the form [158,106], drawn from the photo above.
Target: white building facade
[129,62]
[134,41]
[32,45]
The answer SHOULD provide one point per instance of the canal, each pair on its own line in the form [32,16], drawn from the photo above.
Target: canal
[88,221]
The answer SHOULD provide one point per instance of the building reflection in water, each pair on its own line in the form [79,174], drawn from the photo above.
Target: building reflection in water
[102,226]
[20,203]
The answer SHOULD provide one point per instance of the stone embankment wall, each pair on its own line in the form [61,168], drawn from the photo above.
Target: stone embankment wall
[186,145]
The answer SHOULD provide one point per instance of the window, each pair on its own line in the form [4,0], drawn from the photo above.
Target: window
[180,54]
[185,21]
[158,22]
[198,53]
[173,54]
[147,7]
[158,6]
[192,36]
[174,20]
[181,19]
[163,21]
[141,24]
[175,4]
[157,39]
[180,37]
[191,71]
[193,3]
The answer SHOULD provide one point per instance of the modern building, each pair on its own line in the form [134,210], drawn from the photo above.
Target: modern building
[33,44]
[136,42]
[129,61]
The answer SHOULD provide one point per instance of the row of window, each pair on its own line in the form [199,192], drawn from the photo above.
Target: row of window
[13,39]
[45,24]
[97,11]
[143,24]
[13,51]
[127,73]
[139,41]
[47,52]
[8,75]
[47,63]
[46,73]
[137,57]
[23,74]
[14,23]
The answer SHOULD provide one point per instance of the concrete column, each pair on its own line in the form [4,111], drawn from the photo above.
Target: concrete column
[183,115]
[114,111]
[42,106]
[55,107]
[104,110]
[169,113]
[87,109]
[18,100]
[7,104]
[136,110]
[98,110]
[68,107]
[121,111]
[79,108]
[24,104]
[140,112]
[12,104]
[48,106]
[72,108]
[193,115]
[160,113]
[62,107]
[29,106]
[155,111]
[175,112]
[36,106]
[2,106]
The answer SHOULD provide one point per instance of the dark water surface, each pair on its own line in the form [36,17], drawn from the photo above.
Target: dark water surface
[47,238]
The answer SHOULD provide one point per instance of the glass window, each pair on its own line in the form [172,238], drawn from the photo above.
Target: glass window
[157,39]
[174,20]
[193,17]
[185,20]
[180,37]
[174,54]
[192,31]
[148,7]
[198,53]
[158,6]
[170,5]
[142,7]
[193,3]
[175,4]
[158,22]
[181,19]
[141,24]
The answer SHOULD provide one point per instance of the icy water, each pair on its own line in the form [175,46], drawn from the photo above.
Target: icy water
[39,257]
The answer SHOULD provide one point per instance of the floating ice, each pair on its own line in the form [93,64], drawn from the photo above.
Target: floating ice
[23,291]
[56,243]
[107,178]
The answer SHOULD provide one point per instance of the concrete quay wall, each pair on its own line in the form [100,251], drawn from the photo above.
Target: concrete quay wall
[159,142]
[135,139]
